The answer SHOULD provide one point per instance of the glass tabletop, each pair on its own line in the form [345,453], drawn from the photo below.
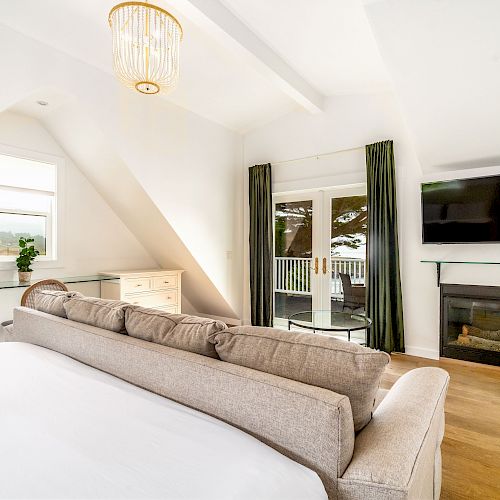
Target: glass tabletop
[330,320]
[71,279]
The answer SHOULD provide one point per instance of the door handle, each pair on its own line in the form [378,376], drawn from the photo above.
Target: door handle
[316,265]
[324,265]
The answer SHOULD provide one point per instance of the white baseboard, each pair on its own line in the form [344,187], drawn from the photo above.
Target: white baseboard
[422,352]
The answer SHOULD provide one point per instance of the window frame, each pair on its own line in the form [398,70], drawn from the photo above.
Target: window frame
[54,228]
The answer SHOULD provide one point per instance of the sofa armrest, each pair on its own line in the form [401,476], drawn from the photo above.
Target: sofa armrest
[397,455]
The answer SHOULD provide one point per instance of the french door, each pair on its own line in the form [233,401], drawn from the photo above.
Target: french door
[317,235]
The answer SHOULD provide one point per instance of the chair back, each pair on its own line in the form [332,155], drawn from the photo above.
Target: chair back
[28,298]
[346,283]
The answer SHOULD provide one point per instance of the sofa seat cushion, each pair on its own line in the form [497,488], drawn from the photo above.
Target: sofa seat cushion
[102,313]
[52,301]
[180,331]
[343,367]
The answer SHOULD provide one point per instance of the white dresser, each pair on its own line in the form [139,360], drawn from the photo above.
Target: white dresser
[158,288]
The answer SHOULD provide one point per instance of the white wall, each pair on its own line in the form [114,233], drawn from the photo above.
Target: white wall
[188,166]
[350,122]
[92,237]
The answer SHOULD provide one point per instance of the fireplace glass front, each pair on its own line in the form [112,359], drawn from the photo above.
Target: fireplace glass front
[470,324]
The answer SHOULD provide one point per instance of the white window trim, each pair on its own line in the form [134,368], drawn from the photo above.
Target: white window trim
[43,262]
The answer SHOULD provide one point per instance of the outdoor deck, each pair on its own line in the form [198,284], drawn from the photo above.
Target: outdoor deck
[292,278]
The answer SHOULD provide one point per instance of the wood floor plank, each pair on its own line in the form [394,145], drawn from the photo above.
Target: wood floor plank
[471,444]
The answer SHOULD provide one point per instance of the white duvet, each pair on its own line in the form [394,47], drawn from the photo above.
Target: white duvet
[70,431]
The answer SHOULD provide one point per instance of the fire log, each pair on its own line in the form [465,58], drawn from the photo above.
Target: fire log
[493,335]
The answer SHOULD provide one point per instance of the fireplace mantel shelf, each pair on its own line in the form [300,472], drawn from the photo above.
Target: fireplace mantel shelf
[439,262]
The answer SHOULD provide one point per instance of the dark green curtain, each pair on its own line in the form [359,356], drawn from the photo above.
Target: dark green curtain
[261,245]
[384,301]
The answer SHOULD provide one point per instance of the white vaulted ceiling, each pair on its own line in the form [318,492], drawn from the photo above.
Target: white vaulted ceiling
[214,82]
[247,62]
[326,43]
[444,60]
[329,42]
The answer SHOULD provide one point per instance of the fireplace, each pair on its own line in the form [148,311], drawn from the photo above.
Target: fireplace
[470,323]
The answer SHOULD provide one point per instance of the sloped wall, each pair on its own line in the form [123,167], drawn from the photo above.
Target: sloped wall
[187,166]
[111,177]
[92,237]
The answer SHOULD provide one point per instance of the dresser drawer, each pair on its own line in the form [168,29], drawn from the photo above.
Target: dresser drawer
[136,285]
[163,299]
[168,309]
[163,282]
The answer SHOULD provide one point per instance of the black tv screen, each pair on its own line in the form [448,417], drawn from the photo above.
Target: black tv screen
[461,211]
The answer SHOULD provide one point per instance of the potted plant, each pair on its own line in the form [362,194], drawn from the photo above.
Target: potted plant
[27,254]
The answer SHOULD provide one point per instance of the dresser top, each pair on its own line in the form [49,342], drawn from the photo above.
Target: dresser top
[140,272]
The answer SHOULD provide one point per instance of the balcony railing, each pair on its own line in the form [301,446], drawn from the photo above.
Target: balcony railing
[293,274]
[355,268]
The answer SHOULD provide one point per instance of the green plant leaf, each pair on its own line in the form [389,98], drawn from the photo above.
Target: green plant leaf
[27,254]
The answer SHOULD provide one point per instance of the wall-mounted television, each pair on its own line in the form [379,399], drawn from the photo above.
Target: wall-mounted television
[461,211]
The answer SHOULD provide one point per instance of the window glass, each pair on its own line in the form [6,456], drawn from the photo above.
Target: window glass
[27,205]
[13,226]
[25,201]
[29,174]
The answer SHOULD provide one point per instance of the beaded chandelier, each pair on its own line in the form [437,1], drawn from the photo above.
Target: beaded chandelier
[146,43]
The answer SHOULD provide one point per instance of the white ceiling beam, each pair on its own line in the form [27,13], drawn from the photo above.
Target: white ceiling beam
[220,22]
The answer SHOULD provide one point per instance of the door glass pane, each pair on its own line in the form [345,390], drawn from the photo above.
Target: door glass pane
[292,257]
[348,250]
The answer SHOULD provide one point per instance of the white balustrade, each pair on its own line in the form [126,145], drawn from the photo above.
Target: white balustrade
[293,274]
[355,268]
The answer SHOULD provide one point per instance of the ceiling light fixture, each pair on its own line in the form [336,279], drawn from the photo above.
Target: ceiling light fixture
[146,43]
[42,103]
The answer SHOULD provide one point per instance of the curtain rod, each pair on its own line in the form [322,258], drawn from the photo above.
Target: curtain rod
[317,157]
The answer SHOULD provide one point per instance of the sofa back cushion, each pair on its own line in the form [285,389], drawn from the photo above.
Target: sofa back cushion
[52,301]
[180,331]
[310,425]
[106,314]
[343,367]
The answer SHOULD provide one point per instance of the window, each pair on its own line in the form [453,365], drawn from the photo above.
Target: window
[27,205]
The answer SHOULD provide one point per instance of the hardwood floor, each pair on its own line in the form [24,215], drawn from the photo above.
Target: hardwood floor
[471,445]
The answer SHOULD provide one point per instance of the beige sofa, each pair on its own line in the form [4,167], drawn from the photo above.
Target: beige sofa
[395,456]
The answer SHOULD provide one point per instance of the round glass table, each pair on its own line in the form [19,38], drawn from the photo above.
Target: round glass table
[331,321]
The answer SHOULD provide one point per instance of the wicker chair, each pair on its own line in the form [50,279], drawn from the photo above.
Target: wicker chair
[28,298]
[354,296]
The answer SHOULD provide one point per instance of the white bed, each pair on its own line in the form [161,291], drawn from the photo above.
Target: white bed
[70,431]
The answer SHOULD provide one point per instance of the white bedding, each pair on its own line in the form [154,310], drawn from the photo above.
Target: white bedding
[70,431]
